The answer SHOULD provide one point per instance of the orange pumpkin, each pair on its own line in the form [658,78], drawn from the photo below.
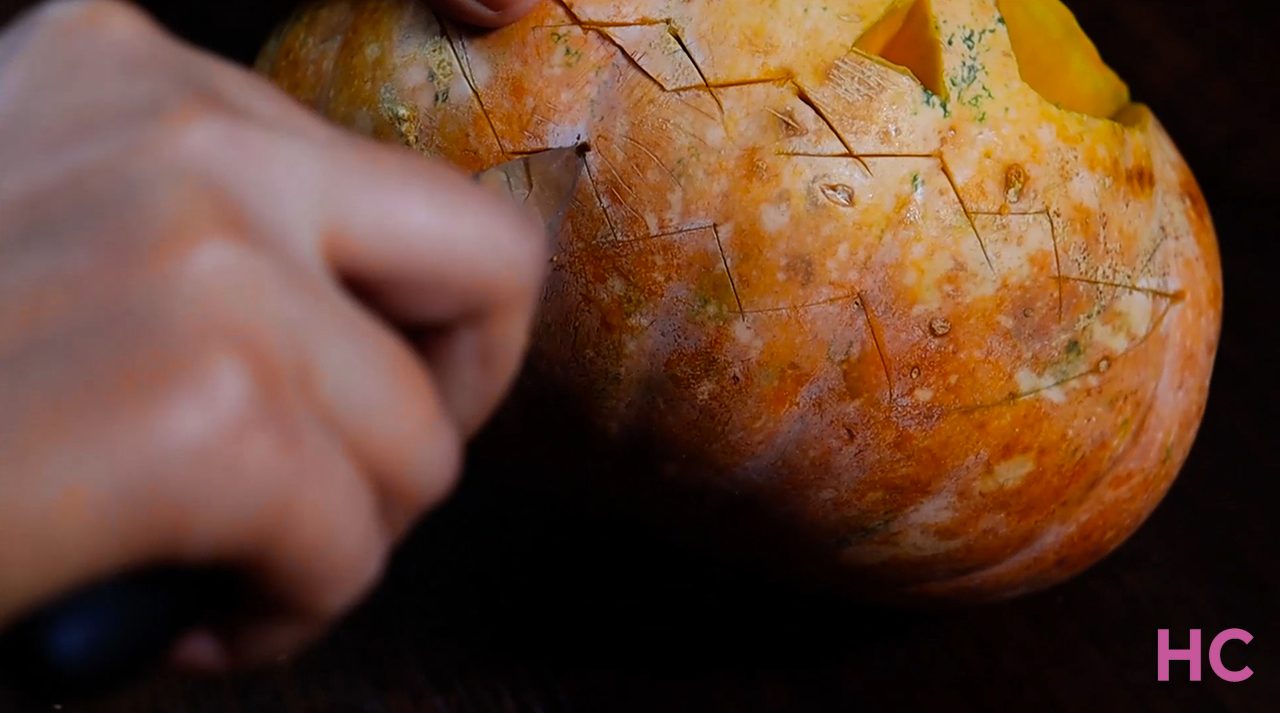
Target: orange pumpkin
[914,277]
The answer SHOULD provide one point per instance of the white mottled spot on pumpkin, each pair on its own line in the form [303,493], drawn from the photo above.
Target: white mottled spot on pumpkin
[774,217]
[566,134]
[1042,385]
[963,165]
[415,74]
[926,542]
[1083,187]
[745,335]
[478,64]
[1007,474]
[1046,135]
[924,395]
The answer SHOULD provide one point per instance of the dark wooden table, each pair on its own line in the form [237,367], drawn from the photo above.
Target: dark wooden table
[517,603]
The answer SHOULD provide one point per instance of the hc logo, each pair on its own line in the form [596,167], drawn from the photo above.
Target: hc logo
[1191,655]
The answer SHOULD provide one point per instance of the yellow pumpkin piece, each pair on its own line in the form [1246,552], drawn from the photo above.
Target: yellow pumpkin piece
[908,36]
[878,36]
[1059,60]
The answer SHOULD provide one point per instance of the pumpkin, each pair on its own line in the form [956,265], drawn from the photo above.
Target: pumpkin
[913,279]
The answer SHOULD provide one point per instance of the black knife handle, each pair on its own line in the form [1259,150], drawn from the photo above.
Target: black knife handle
[109,634]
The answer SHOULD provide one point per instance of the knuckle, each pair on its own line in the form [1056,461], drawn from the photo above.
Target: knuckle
[195,129]
[258,414]
[232,388]
[231,399]
[201,258]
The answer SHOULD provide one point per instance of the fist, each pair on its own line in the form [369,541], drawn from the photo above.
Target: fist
[229,332]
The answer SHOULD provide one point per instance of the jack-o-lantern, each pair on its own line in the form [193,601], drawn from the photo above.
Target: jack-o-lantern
[913,277]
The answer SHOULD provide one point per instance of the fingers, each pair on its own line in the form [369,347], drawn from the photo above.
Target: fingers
[421,244]
[308,531]
[424,241]
[361,437]
[256,419]
[465,281]
[383,219]
[377,397]
[314,552]
[485,13]
[477,361]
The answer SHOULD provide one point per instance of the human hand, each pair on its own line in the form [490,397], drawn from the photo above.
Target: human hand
[185,372]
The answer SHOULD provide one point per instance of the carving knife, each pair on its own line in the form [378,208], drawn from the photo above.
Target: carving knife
[109,634]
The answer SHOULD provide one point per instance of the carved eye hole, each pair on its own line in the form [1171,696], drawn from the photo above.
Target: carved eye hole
[1058,60]
[907,36]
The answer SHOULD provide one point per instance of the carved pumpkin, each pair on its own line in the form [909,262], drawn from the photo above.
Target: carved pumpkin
[914,277]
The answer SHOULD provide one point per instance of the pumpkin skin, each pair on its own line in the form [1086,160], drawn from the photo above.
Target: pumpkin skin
[950,339]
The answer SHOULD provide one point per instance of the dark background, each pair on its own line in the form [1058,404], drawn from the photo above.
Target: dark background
[508,602]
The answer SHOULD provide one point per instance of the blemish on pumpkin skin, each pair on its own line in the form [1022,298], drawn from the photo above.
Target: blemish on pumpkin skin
[402,116]
[440,67]
[1015,180]
[1140,179]
[838,193]
[799,268]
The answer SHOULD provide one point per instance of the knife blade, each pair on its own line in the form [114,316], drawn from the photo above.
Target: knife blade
[543,182]
[106,635]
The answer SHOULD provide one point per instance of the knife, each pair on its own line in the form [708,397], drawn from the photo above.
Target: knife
[109,634]
[544,181]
